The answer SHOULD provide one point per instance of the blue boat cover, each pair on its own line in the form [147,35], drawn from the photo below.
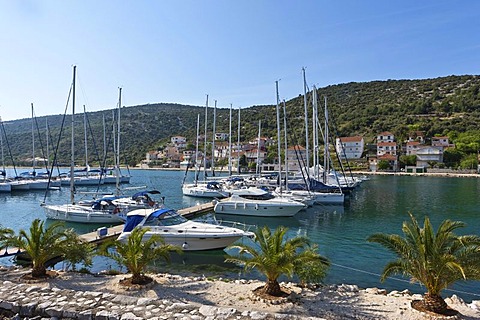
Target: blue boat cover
[142,193]
[134,220]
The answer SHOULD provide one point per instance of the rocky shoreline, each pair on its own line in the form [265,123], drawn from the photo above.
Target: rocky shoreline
[72,295]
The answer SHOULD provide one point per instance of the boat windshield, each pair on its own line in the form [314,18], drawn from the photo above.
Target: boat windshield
[168,218]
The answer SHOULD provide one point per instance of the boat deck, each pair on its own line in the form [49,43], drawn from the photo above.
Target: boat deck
[102,234]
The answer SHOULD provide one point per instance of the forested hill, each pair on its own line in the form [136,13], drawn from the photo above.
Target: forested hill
[440,106]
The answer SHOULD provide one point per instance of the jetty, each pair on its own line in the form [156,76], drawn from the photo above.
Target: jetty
[105,233]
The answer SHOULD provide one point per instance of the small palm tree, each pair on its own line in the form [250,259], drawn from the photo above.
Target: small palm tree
[44,244]
[136,253]
[436,260]
[276,256]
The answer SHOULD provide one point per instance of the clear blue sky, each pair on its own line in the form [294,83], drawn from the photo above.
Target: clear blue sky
[179,51]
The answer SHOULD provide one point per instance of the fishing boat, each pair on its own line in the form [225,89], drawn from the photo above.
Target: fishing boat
[179,231]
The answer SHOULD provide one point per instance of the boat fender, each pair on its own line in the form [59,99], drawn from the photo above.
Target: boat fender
[214,201]
[88,216]
[256,206]
[185,246]
[244,206]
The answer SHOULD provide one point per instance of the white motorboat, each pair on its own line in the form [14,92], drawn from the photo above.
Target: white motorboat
[276,207]
[179,231]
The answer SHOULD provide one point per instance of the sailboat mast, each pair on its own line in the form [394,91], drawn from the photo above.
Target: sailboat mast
[33,145]
[213,138]
[257,169]
[72,159]
[196,150]
[286,144]
[278,140]
[48,151]
[230,143]
[205,143]
[4,172]
[238,143]
[117,154]
[315,132]
[326,156]
[306,117]
[85,137]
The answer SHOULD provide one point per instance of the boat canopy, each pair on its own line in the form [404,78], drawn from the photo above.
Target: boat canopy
[144,193]
[134,220]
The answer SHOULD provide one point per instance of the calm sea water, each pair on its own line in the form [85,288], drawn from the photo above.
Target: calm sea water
[379,205]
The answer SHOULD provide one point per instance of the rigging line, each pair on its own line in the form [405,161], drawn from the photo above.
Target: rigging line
[398,279]
[57,147]
[41,141]
[79,81]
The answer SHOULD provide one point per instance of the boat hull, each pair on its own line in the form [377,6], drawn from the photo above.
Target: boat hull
[267,208]
[79,214]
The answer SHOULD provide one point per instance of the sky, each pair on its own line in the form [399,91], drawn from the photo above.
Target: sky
[178,51]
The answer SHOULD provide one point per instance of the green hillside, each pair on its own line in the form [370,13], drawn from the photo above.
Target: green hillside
[441,106]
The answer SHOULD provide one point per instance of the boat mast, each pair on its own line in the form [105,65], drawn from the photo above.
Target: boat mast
[72,159]
[326,153]
[33,145]
[213,139]
[117,154]
[238,143]
[85,137]
[205,143]
[230,143]
[48,151]
[4,172]
[257,169]
[196,150]
[278,141]
[286,144]
[306,117]
[315,132]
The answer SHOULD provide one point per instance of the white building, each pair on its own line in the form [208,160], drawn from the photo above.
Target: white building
[349,147]
[179,141]
[428,154]
[385,137]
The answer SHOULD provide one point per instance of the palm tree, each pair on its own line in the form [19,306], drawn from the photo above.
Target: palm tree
[44,244]
[436,260]
[276,256]
[136,253]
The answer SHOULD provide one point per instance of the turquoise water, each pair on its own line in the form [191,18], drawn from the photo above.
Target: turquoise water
[379,205]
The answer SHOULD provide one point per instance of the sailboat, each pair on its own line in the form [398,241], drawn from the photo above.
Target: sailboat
[101,211]
[278,206]
[206,189]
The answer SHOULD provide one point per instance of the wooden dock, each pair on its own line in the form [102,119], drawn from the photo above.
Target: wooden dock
[102,234]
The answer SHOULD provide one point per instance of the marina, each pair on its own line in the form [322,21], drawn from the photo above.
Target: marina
[379,205]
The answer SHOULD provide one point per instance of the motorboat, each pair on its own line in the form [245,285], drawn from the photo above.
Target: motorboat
[276,207]
[177,230]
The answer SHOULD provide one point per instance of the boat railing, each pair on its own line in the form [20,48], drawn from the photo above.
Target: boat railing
[228,223]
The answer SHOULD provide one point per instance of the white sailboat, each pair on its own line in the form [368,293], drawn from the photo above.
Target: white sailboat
[203,189]
[275,207]
[101,211]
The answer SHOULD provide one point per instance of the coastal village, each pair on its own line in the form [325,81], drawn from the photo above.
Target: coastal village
[380,156]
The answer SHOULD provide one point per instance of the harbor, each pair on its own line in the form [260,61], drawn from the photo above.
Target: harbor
[379,205]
